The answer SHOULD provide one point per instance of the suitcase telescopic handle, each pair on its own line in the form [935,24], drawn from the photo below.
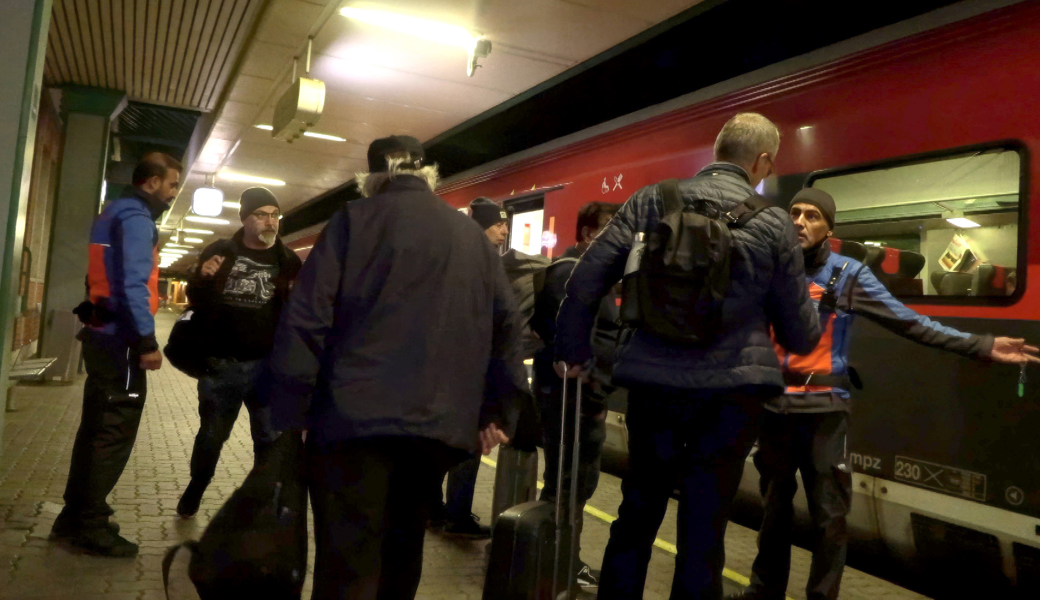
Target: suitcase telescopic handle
[573,500]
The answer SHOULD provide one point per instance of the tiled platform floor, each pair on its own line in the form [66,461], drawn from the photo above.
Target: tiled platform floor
[37,442]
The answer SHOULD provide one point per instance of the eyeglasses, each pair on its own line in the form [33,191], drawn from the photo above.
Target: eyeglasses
[260,216]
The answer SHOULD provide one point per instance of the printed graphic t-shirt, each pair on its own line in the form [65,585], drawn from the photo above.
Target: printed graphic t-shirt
[247,304]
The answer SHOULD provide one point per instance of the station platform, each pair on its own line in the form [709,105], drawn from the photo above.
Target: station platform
[37,443]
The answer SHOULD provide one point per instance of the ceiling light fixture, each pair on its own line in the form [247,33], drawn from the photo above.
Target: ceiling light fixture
[310,134]
[198,231]
[434,31]
[208,220]
[234,205]
[231,176]
[957,219]
[173,251]
[193,240]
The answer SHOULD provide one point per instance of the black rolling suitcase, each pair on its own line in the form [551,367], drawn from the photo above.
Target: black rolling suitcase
[528,560]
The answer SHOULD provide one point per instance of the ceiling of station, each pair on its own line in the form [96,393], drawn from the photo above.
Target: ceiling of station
[381,82]
[171,52]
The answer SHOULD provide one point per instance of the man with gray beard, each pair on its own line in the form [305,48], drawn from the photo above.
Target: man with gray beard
[238,290]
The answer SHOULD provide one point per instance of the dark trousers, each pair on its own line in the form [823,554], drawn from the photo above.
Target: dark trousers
[697,442]
[814,444]
[462,484]
[369,522]
[221,395]
[113,399]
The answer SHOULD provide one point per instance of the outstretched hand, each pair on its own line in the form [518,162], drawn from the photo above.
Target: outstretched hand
[1013,351]
[490,437]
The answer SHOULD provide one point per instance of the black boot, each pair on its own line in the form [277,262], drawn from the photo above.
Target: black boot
[190,500]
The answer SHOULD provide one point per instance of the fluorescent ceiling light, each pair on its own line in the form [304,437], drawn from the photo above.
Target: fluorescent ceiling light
[312,134]
[442,33]
[173,245]
[962,222]
[324,136]
[198,231]
[231,176]
[193,240]
[209,220]
[234,205]
[957,219]
[173,251]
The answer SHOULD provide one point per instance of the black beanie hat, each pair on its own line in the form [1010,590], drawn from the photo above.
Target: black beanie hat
[818,198]
[486,212]
[254,198]
[394,144]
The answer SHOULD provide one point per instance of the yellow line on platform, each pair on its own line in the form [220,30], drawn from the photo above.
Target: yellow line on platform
[663,545]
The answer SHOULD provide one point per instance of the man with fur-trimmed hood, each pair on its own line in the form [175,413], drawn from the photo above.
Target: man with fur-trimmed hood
[397,354]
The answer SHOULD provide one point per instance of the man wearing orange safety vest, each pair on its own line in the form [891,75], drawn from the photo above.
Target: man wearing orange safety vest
[118,347]
[805,429]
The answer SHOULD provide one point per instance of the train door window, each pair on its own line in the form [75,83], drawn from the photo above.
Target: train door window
[944,225]
[526,216]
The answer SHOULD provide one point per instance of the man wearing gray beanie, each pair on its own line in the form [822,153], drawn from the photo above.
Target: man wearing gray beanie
[805,429]
[238,290]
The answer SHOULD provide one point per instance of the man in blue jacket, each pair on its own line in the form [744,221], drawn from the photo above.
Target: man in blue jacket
[118,347]
[695,411]
[805,429]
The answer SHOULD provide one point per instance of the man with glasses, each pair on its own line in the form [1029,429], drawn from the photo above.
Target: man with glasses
[238,290]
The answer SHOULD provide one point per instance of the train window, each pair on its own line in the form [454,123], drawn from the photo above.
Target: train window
[942,225]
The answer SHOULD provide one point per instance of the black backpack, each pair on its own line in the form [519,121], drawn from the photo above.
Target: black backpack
[677,277]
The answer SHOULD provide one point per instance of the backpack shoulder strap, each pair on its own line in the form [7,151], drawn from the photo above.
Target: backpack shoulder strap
[746,210]
[541,276]
[673,202]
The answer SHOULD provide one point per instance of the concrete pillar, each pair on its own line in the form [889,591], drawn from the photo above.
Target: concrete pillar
[23,46]
[88,114]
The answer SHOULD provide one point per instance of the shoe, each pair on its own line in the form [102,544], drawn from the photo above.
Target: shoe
[438,518]
[101,541]
[64,529]
[587,579]
[469,529]
[190,500]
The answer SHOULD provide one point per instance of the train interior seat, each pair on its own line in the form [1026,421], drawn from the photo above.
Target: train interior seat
[952,284]
[853,250]
[993,280]
[896,269]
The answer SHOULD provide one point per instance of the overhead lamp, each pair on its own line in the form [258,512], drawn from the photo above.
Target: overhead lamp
[234,205]
[198,231]
[231,176]
[174,245]
[194,240]
[209,220]
[173,251]
[957,219]
[310,134]
[442,33]
[206,201]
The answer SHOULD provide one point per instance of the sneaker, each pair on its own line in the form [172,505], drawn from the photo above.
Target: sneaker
[190,500]
[470,529]
[101,541]
[587,579]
